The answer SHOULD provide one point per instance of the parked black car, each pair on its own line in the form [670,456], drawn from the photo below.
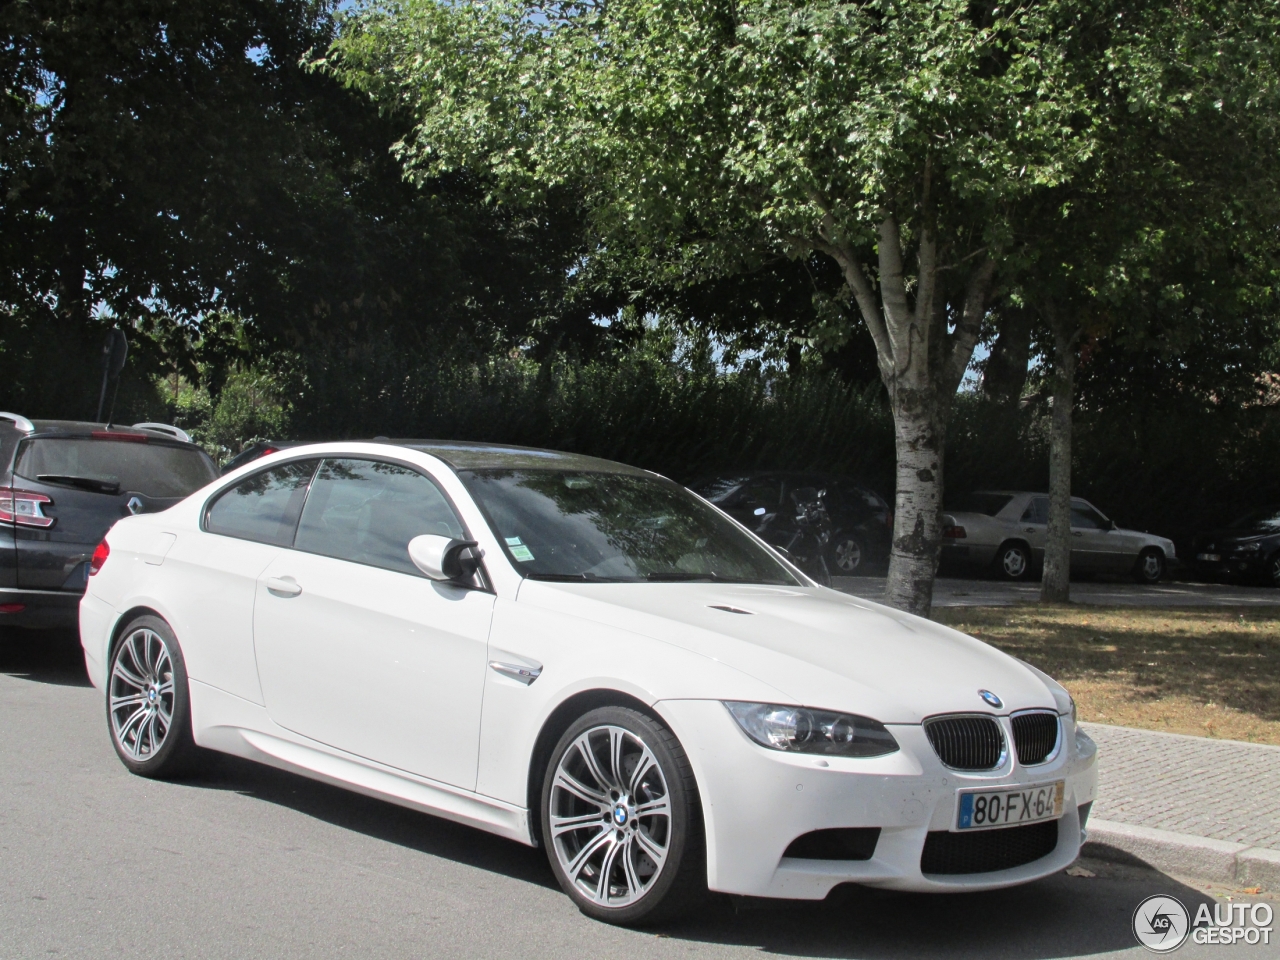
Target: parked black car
[1246,549]
[256,451]
[862,523]
[62,485]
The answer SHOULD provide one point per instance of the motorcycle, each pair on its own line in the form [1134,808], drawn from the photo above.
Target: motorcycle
[806,544]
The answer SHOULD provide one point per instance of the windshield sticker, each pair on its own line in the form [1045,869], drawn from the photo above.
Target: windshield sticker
[521,553]
[514,541]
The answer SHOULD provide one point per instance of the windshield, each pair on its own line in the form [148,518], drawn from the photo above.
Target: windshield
[1267,519]
[115,466]
[561,525]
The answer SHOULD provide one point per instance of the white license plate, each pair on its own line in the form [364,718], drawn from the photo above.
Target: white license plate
[1009,806]
[1211,557]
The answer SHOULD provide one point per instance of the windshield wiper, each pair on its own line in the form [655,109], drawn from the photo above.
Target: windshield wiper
[572,578]
[687,577]
[82,483]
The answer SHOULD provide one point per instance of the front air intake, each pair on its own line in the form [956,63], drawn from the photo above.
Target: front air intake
[966,743]
[987,851]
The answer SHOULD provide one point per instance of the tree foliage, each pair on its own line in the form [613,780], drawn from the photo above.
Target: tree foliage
[905,141]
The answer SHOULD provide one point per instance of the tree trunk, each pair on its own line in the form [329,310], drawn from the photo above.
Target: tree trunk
[922,361]
[1055,582]
[919,440]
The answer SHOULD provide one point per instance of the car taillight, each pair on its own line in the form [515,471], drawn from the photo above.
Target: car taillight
[99,557]
[24,508]
[954,533]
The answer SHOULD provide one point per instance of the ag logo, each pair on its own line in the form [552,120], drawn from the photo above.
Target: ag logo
[1161,923]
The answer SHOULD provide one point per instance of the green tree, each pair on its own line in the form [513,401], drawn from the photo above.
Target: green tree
[1167,230]
[165,163]
[900,140]
[889,138]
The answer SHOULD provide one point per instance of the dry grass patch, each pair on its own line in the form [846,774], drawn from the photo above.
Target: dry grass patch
[1210,672]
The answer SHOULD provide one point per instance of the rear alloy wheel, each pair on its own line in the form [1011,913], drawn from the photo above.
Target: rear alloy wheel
[1150,566]
[1273,569]
[846,555]
[620,819]
[148,703]
[1013,561]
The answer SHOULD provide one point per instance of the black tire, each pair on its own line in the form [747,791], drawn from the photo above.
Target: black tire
[673,887]
[1150,566]
[1273,569]
[149,722]
[845,555]
[1012,561]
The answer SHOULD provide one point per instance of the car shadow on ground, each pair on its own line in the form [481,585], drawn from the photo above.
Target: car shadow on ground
[43,656]
[1060,916]
[374,818]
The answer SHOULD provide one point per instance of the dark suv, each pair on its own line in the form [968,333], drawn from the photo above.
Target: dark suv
[62,485]
[862,523]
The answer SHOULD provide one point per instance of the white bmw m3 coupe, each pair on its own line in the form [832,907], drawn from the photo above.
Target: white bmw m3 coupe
[581,655]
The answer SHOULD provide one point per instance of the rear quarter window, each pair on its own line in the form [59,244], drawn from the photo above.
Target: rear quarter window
[264,506]
[986,503]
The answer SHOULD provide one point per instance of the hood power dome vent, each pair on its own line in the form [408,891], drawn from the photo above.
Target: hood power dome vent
[728,609]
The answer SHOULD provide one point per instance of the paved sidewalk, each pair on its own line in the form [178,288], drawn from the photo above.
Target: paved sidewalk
[949,592]
[1189,806]
[1221,789]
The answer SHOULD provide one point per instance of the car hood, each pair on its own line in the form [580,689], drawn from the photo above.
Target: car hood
[815,646]
[1235,535]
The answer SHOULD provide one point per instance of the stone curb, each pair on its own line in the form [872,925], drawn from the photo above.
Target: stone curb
[1200,857]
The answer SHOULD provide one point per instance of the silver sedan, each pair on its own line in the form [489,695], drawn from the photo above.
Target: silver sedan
[1005,530]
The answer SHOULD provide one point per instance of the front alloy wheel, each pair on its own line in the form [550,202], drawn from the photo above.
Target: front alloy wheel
[148,704]
[1273,569]
[1150,566]
[620,818]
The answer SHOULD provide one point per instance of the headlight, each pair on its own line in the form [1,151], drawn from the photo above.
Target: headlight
[1253,547]
[805,730]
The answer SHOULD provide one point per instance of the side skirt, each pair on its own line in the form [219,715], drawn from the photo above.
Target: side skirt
[228,724]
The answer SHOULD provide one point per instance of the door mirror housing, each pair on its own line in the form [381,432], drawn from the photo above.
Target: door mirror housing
[444,558]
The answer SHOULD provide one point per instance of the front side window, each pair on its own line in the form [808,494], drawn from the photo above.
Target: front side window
[570,525]
[263,506]
[367,511]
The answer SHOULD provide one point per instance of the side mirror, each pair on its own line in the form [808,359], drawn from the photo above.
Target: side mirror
[443,558]
[1111,525]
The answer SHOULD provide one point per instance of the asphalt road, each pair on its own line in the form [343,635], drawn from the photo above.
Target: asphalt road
[989,592]
[248,862]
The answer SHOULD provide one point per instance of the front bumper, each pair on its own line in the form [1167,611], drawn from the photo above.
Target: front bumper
[43,609]
[757,801]
[1229,566]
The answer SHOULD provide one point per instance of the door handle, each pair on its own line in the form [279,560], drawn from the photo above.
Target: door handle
[282,586]
[1076,533]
